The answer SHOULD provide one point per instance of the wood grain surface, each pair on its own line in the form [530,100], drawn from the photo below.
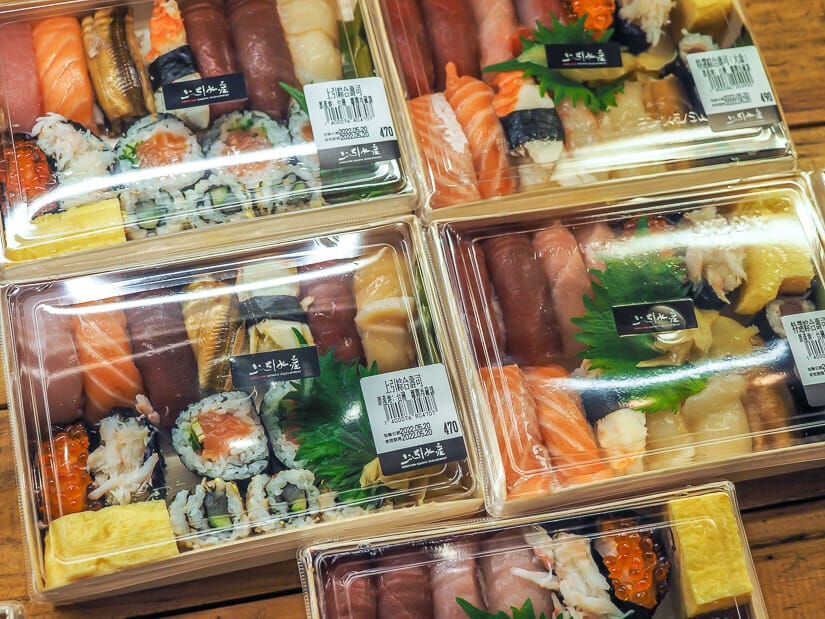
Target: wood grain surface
[784,516]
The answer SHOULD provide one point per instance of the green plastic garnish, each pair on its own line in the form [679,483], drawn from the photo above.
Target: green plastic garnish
[525,612]
[355,53]
[298,95]
[532,62]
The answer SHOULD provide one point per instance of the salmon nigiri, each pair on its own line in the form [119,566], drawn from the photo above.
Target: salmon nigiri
[110,377]
[568,437]
[472,101]
[496,21]
[527,464]
[61,67]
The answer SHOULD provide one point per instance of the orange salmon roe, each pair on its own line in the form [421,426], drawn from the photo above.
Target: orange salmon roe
[65,478]
[599,14]
[638,571]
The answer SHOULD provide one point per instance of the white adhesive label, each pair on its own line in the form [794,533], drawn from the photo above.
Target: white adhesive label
[734,88]
[413,418]
[806,337]
[351,122]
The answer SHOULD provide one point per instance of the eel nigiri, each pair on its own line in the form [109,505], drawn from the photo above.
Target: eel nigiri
[110,376]
[768,403]
[163,355]
[62,71]
[384,302]
[482,315]
[405,27]
[20,90]
[331,310]
[527,463]
[453,575]
[568,437]
[666,100]
[444,19]
[525,299]
[496,21]
[445,151]
[312,35]
[472,101]
[263,54]
[402,586]
[503,559]
[349,590]
[211,45]
[564,268]
[115,62]
[531,11]
[716,417]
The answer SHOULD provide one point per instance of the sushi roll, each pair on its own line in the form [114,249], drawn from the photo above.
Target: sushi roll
[79,156]
[639,24]
[216,202]
[287,499]
[221,436]
[212,513]
[284,445]
[127,465]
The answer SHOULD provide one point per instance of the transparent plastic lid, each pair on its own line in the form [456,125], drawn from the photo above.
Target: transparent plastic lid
[170,411]
[672,556]
[510,97]
[150,118]
[673,335]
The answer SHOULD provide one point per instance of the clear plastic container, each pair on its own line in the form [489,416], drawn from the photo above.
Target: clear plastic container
[676,555]
[209,415]
[624,347]
[613,91]
[144,119]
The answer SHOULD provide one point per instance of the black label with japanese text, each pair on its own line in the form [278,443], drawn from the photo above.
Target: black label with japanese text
[331,158]
[583,55]
[260,369]
[438,452]
[658,317]
[207,90]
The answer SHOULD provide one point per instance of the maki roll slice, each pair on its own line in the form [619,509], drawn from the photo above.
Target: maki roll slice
[212,513]
[127,465]
[284,500]
[220,436]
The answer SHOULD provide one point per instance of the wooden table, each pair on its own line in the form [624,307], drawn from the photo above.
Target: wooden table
[784,516]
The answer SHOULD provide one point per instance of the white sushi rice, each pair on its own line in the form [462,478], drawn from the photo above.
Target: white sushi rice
[650,15]
[244,459]
[622,435]
[265,507]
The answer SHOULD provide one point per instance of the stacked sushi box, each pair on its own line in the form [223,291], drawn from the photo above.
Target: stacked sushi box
[149,119]
[672,555]
[235,405]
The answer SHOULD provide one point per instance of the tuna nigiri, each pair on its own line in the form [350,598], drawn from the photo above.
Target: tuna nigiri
[453,575]
[453,36]
[110,377]
[405,27]
[472,101]
[349,590]
[496,21]
[531,11]
[402,587]
[593,240]
[527,466]
[20,91]
[573,451]
[62,70]
[445,151]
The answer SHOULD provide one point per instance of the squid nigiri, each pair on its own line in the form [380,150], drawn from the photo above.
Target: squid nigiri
[715,416]
[312,35]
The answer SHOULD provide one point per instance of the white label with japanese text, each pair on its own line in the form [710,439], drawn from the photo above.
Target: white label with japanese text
[734,88]
[806,337]
[413,418]
[351,122]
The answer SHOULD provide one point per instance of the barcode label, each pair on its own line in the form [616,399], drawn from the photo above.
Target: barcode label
[806,337]
[733,88]
[351,122]
[413,418]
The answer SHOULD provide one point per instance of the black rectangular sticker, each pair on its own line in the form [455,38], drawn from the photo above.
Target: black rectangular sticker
[207,90]
[332,158]
[659,317]
[583,55]
[251,371]
[428,454]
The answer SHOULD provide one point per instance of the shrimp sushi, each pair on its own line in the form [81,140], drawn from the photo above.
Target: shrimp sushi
[312,35]
[575,456]
[62,71]
[405,27]
[525,298]
[496,21]
[527,462]
[472,101]
[110,377]
[622,435]
[385,306]
[20,94]
[444,150]
[443,19]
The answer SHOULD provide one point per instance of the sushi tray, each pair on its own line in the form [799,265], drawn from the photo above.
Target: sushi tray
[217,414]
[141,120]
[632,346]
[577,97]
[669,556]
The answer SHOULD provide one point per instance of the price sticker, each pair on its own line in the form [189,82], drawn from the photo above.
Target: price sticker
[806,337]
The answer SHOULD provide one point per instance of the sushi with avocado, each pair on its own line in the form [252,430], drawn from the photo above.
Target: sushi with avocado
[212,513]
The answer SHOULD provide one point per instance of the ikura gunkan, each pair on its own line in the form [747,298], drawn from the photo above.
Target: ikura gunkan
[644,342]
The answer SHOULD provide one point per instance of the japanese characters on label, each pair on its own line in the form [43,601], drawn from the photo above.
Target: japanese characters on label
[583,55]
[413,418]
[806,337]
[251,371]
[179,95]
[659,317]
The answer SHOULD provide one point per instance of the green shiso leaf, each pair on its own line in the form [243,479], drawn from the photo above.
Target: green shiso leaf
[532,62]
[525,612]
[298,95]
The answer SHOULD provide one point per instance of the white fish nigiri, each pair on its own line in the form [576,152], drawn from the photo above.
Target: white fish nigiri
[717,417]
[311,30]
